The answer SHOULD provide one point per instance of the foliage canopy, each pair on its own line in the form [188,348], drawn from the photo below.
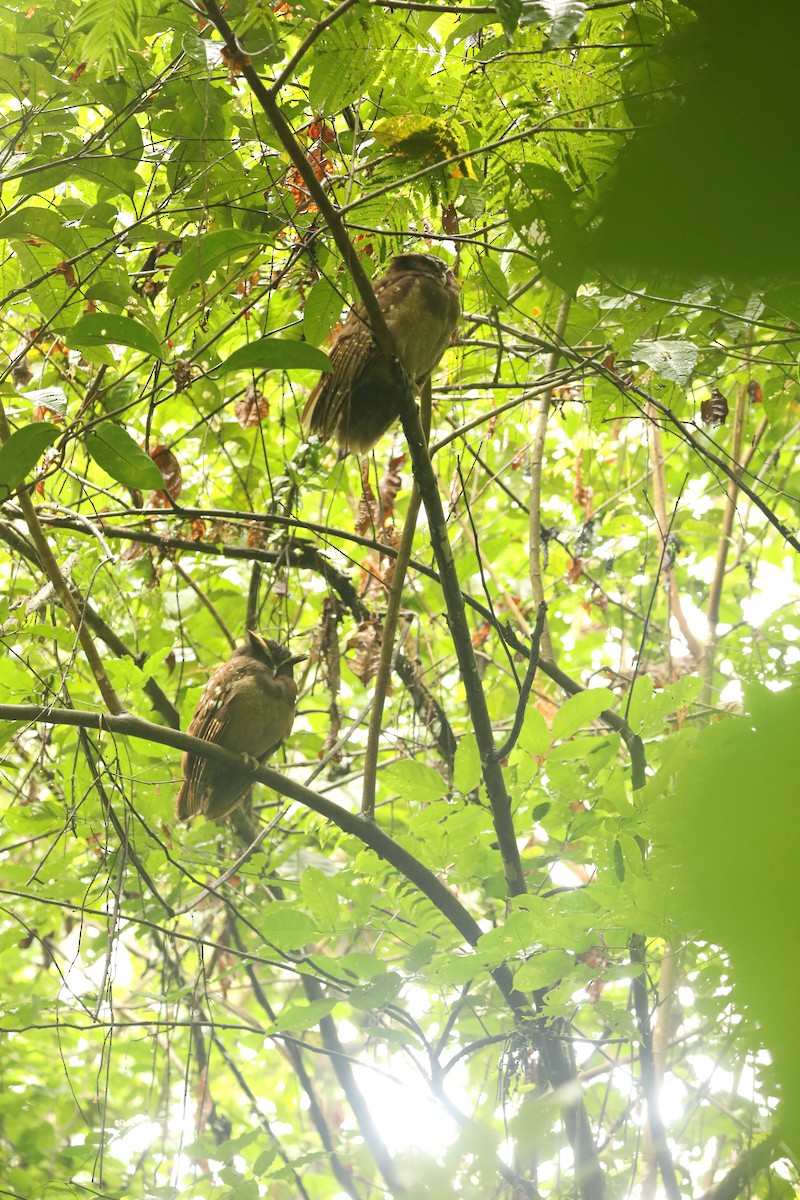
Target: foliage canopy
[549,961]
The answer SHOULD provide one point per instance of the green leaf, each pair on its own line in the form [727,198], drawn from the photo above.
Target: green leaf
[495,280]
[535,736]
[649,708]
[362,966]
[19,455]
[509,12]
[421,954]
[544,969]
[422,139]
[7,731]
[322,308]
[100,329]
[581,710]
[299,1017]
[673,360]
[112,31]
[508,940]
[320,895]
[379,992]
[275,354]
[44,224]
[286,926]
[467,767]
[201,256]
[564,17]
[346,61]
[113,449]
[414,781]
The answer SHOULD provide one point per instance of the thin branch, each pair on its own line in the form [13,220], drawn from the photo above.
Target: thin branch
[308,42]
[61,588]
[732,472]
[527,683]
[664,1024]
[336,1166]
[641,1007]
[664,526]
[159,699]
[746,1168]
[300,555]
[294,1054]
[393,605]
[345,1074]
[126,725]
[535,566]
[309,557]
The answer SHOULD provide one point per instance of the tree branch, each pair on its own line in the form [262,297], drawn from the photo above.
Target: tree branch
[423,473]
[664,525]
[641,1007]
[537,466]
[354,824]
[527,683]
[61,588]
[393,605]
[746,1168]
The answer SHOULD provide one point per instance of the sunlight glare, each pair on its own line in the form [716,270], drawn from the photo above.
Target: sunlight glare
[405,1115]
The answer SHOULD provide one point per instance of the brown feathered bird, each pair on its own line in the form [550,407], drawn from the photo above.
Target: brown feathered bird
[247,707]
[359,398]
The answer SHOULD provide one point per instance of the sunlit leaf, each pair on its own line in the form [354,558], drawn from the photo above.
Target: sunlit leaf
[113,449]
[19,455]
[275,354]
[100,329]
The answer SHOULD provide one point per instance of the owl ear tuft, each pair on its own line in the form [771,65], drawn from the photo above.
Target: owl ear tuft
[259,646]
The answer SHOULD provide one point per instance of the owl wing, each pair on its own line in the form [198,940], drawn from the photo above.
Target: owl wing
[326,409]
[229,717]
[209,722]
[360,398]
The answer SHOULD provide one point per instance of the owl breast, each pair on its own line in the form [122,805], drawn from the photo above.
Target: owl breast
[417,325]
[262,712]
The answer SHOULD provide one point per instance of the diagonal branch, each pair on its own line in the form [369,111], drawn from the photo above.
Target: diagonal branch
[61,588]
[127,725]
[537,466]
[499,799]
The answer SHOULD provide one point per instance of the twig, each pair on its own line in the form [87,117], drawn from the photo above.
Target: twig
[295,1057]
[127,725]
[662,1031]
[647,1067]
[355,1097]
[309,557]
[664,527]
[62,589]
[159,699]
[308,42]
[747,1167]
[665,540]
[388,654]
[527,683]
[732,472]
[741,461]
[537,466]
